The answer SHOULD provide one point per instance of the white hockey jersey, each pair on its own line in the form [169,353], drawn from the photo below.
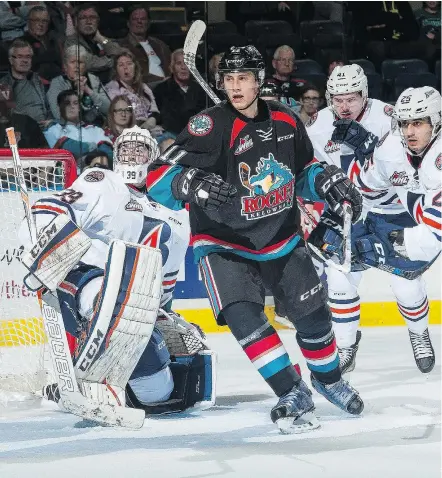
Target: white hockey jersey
[418,188]
[375,118]
[105,208]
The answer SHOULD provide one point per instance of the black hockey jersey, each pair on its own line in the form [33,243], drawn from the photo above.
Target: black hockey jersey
[268,158]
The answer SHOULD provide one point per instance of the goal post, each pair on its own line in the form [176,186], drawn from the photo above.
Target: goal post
[23,368]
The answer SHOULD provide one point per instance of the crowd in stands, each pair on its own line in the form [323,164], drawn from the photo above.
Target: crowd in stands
[74,75]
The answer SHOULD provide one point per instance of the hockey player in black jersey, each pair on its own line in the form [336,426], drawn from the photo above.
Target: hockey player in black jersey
[240,166]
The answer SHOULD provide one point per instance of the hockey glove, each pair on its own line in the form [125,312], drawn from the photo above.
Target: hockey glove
[335,188]
[355,136]
[207,190]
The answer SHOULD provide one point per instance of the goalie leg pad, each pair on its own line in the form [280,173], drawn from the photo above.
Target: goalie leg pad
[60,245]
[124,315]
[194,380]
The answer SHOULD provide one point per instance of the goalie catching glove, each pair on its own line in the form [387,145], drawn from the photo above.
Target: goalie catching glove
[207,190]
[60,245]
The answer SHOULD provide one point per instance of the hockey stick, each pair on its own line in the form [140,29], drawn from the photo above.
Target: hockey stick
[71,398]
[193,38]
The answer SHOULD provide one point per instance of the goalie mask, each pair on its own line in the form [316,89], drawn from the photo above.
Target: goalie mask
[134,150]
[416,104]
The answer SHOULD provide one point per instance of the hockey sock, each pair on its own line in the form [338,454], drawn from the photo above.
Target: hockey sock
[346,314]
[416,316]
[262,345]
[321,354]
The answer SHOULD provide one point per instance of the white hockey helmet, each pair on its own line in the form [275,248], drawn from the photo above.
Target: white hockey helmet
[418,103]
[134,150]
[346,79]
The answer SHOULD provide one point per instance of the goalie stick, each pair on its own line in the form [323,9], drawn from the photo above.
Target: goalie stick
[71,398]
[193,38]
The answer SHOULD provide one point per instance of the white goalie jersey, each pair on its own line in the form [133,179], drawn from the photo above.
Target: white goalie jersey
[418,189]
[375,118]
[105,208]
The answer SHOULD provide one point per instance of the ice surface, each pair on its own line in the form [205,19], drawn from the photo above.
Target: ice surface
[398,435]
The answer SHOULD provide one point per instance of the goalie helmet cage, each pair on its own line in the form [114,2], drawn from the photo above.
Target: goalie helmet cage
[24,366]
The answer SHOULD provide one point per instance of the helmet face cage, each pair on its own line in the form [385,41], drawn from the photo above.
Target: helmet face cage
[344,80]
[134,150]
[241,59]
[417,104]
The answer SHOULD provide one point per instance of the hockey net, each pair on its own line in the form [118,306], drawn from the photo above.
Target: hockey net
[23,366]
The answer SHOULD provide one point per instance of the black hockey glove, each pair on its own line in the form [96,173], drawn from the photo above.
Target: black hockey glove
[207,190]
[355,136]
[335,188]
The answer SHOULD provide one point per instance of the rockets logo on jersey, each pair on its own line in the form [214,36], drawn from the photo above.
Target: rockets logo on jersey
[245,144]
[272,188]
[200,125]
[399,178]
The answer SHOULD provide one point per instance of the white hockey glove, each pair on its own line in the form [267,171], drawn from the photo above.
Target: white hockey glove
[60,245]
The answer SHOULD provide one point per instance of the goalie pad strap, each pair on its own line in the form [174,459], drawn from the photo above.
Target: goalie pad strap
[60,246]
[124,315]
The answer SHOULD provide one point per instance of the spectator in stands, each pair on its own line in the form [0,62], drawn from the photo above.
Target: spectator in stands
[389,30]
[27,131]
[152,54]
[119,117]
[101,49]
[71,134]
[213,68]
[428,19]
[94,99]
[62,19]
[46,46]
[127,80]
[179,97]
[13,19]
[96,159]
[333,63]
[284,65]
[29,92]
[311,101]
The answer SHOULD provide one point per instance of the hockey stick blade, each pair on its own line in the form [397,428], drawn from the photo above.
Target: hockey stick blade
[193,38]
[71,398]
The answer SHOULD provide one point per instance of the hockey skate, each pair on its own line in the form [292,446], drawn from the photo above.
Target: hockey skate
[422,350]
[347,355]
[341,394]
[294,411]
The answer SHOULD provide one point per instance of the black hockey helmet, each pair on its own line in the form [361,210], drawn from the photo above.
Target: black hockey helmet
[241,58]
[270,88]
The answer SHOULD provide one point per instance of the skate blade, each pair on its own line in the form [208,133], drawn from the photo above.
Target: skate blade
[302,424]
[284,321]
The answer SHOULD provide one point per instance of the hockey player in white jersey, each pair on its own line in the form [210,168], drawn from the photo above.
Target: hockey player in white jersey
[109,295]
[406,162]
[347,98]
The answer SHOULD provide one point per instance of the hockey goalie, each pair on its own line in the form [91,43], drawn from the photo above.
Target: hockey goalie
[107,258]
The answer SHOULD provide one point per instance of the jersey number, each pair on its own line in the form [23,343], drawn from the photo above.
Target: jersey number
[437,201]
